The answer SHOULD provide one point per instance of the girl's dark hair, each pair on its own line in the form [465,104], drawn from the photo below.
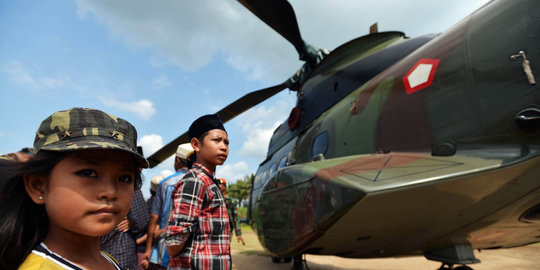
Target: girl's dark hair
[24,224]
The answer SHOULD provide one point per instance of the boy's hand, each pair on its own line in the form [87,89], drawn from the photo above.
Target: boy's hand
[240,239]
[125,225]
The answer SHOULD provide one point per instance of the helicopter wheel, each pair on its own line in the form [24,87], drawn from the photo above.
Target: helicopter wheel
[279,259]
[451,267]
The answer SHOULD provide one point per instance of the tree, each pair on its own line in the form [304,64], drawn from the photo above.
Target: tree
[240,189]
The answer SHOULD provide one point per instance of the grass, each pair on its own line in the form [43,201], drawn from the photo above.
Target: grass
[252,247]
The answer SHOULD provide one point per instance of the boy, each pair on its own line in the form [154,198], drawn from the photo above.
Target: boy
[198,232]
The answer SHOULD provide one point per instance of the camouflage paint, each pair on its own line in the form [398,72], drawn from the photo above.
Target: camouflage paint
[378,190]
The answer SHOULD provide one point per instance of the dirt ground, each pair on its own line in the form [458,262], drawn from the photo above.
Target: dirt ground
[252,256]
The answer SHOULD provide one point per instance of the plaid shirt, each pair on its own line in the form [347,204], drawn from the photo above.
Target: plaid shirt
[122,245]
[199,218]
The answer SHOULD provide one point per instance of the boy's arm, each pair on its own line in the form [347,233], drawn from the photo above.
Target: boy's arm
[154,218]
[175,249]
[150,235]
[183,221]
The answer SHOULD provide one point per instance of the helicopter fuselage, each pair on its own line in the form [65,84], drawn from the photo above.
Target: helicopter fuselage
[403,146]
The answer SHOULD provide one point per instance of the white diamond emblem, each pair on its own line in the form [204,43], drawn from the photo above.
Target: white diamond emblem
[420,75]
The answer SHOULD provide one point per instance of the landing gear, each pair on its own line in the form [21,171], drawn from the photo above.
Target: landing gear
[279,259]
[299,262]
[458,254]
[446,266]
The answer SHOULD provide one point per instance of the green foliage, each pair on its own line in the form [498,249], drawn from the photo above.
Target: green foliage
[240,189]
[242,212]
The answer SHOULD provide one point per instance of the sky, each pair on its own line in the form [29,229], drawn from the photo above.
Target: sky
[161,64]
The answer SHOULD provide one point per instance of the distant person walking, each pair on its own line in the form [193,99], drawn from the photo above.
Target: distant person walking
[232,211]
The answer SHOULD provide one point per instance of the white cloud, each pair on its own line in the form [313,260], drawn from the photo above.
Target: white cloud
[142,108]
[19,75]
[150,143]
[29,80]
[233,172]
[190,33]
[161,81]
[258,125]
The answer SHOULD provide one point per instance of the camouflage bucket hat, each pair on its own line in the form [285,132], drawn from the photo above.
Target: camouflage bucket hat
[81,128]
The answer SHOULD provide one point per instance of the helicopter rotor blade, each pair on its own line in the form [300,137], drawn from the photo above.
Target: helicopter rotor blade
[227,113]
[279,15]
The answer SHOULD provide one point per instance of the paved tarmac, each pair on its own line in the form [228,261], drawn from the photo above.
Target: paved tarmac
[521,258]
[252,256]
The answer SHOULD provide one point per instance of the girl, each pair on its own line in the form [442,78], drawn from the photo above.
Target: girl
[198,231]
[78,186]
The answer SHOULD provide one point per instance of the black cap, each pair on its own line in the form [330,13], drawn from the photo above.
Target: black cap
[204,124]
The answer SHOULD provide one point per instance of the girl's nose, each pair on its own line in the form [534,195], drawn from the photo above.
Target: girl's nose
[107,190]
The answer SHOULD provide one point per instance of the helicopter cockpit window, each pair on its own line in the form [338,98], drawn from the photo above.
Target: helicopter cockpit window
[282,162]
[272,170]
[320,145]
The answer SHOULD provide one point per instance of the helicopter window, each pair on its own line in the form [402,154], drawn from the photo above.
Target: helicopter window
[282,162]
[258,178]
[272,170]
[320,145]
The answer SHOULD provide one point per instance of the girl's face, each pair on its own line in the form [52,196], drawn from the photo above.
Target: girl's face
[89,192]
[214,149]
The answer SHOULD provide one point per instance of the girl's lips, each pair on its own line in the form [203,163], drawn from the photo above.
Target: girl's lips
[107,210]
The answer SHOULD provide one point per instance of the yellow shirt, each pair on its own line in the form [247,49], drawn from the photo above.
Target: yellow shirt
[42,258]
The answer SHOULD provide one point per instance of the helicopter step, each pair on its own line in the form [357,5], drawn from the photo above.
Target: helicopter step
[458,254]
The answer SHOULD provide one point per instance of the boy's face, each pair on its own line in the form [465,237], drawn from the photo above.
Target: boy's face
[214,149]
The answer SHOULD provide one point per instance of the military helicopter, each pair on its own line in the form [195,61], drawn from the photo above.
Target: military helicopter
[403,146]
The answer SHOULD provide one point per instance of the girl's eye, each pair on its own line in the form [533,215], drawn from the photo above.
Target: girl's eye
[126,179]
[87,173]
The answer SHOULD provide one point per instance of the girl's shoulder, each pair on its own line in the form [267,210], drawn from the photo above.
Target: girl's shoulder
[41,258]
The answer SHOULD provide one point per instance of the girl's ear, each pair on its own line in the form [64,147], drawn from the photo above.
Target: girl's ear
[196,144]
[35,187]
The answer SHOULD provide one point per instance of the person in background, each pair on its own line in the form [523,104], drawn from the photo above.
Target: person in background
[154,183]
[232,211]
[77,187]
[22,156]
[156,255]
[121,243]
[198,231]
[9,160]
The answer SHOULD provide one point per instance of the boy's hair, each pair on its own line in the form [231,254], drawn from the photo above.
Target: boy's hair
[204,124]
